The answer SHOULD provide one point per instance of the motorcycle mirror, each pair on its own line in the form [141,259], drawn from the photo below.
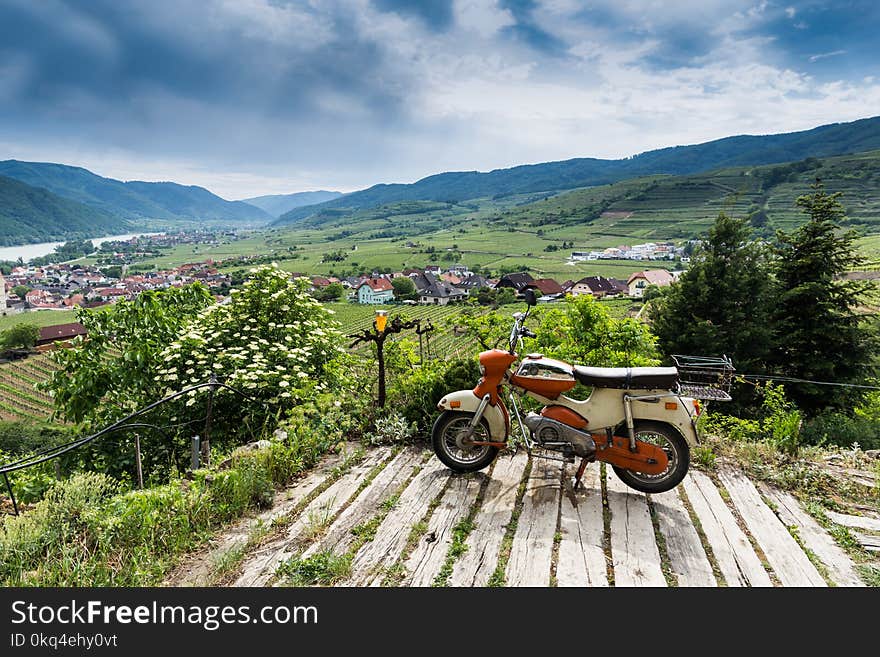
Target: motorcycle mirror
[531,299]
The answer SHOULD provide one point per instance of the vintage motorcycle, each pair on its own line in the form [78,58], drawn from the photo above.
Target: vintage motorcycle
[640,420]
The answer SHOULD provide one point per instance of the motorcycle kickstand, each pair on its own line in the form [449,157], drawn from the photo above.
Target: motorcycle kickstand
[576,482]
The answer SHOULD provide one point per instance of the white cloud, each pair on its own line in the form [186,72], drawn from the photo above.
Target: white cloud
[824,55]
[484,17]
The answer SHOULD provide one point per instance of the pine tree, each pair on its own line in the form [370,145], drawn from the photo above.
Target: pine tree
[820,333]
[720,305]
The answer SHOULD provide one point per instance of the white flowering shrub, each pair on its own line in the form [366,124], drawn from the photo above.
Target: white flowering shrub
[272,341]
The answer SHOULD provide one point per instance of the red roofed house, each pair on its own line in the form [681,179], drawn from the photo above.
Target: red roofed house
[638,282]
[546,287]
[375,291]
[59,335]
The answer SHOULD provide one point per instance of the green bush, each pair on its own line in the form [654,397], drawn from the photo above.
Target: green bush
[415,394]
[25,437]
[837,428]
[87,532]
[779,424]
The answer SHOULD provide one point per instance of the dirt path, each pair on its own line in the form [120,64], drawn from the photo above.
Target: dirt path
[399,518]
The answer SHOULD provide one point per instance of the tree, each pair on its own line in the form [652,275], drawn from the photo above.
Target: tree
[20,336]
[820,333]
[20,291]
[404,288]
[114,372]
[720,305]
[332,292]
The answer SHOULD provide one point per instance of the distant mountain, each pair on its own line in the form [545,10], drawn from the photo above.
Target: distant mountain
[278,204]
[132,200]
[31,214]
[744,150]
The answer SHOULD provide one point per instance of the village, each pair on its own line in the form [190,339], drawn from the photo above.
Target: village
[435,285]
[65,286]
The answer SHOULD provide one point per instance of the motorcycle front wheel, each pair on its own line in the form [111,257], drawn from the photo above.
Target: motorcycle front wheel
[447,439]
[677,451]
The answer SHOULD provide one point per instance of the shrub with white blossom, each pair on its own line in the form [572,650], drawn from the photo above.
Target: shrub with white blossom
[272,340]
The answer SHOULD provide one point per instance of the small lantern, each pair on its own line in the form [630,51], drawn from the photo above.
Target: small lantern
[381,320]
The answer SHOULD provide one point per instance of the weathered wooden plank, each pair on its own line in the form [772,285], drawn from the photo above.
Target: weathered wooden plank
[858,522]
[338,536]
[428,557]
[870,542]
[476,565]
[634,553]
[532,550]
[581,559]
[839,566]
[199,570]
[393,532]
[736,559]
[687,558]
[261,564]
[785,556]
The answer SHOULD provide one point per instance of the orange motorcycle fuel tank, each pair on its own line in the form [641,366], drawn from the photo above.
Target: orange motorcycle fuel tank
[493,366]
[546,377]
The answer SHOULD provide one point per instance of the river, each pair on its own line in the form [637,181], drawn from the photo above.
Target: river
[28,251]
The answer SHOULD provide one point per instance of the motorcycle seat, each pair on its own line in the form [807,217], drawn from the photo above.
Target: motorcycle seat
[632,378]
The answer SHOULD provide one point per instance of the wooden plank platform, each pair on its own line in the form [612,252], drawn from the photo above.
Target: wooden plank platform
[785,556]
[736,559]
[426,560]
[581,559]
[476,565]
[838,565]
[857,522]
[532,549]
[260,567]
[339,536]
[634,553]
[394,530]
[199,571]
[687,558]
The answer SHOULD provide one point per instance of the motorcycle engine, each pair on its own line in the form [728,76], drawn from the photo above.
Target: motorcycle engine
[556,435]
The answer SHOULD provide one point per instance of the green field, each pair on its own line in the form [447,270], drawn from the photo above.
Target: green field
[37,318]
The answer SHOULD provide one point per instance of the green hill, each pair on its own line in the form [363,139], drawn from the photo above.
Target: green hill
[132,200]
[30,214]
[744,150]
[278,204]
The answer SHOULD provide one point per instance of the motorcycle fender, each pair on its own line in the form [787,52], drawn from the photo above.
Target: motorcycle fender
[678,418]
[466,401]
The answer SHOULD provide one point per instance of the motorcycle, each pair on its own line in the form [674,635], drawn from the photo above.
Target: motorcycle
[639,420]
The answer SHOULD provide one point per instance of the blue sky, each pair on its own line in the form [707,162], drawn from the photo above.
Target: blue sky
[250,97]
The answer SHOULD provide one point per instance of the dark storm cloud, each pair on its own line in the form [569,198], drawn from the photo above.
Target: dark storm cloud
[527,30]
[437,14]
[191,52]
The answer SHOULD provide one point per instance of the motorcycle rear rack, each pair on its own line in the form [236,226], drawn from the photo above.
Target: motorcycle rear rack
[705,377]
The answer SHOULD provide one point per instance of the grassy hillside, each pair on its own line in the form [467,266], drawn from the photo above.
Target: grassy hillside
[132,200]
[744,150]
[278,204]
[528,230]
[30,214]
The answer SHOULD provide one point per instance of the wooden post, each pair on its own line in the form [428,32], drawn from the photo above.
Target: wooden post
[137,457]
[194,463]
[206,441]
[377,336]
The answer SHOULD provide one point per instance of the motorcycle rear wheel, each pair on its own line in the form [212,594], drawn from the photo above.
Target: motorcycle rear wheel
[447,429]
[677,451]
